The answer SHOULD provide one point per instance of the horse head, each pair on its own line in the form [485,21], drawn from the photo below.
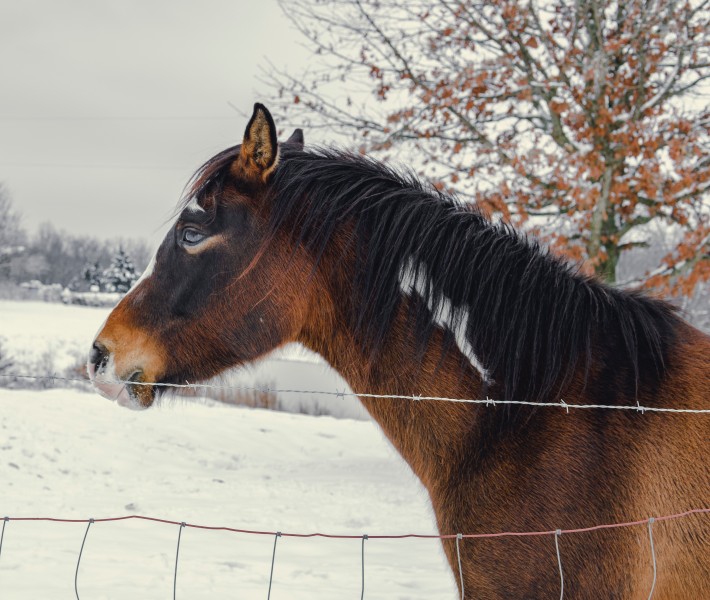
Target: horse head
[212,298]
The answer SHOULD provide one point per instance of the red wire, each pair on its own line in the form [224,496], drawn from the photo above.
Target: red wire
[377,537]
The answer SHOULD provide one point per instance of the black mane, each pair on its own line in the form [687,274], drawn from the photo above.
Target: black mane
[533,319]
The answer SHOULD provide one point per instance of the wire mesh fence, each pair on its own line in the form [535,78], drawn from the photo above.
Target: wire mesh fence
[458,537]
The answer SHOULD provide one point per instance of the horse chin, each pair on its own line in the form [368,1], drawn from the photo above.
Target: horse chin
[132,395]
[137,396]
[127,399]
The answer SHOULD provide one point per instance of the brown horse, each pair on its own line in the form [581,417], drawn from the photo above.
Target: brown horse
[406,291]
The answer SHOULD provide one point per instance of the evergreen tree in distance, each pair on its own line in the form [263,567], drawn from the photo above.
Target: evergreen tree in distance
[120,275]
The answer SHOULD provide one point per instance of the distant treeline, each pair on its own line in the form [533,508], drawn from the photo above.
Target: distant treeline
[54,256]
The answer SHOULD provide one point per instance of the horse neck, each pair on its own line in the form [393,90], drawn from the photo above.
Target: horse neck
[432,436]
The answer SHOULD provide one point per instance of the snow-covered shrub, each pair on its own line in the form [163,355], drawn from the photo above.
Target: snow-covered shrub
[6,363]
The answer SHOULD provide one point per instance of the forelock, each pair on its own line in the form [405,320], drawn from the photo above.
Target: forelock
[209,179]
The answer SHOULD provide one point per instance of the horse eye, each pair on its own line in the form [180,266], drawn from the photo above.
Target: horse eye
[191,237]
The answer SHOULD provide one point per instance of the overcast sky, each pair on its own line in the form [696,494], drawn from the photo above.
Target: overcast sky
[106,108]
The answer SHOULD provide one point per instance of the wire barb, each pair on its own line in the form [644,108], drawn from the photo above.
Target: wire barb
[78,562]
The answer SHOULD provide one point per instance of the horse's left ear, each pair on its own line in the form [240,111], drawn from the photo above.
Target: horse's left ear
[296,138]
[260,151]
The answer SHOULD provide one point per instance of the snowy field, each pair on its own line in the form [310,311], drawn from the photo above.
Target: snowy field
[72,454]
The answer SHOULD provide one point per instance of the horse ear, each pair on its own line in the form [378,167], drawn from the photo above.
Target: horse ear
[259,153]
[296,138]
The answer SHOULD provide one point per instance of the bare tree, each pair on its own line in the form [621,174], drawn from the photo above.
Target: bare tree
[12,236]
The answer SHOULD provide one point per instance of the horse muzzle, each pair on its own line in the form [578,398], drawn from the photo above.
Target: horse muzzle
[129,390]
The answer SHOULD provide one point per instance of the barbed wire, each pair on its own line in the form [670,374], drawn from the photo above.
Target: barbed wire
[414,397]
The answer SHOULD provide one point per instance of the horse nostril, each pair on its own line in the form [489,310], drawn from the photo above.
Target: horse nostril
[98,356]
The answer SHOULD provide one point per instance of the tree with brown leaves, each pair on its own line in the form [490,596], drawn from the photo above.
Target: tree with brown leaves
[582,121]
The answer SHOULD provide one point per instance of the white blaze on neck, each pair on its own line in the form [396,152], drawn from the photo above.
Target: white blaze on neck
[413,280]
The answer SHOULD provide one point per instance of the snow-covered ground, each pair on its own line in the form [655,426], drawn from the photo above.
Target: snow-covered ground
[72,454]
[47,335]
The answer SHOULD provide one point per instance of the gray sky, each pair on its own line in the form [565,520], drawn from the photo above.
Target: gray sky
[107,108]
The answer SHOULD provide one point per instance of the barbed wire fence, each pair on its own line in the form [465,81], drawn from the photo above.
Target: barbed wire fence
[457,537]
[567,406]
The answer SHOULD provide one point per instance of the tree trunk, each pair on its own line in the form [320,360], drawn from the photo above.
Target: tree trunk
[603,223]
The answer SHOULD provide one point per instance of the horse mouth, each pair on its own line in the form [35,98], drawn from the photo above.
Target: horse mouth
[131,392]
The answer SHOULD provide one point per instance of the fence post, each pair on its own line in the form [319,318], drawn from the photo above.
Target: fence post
[177,554]
[2,535]
[558,533]
[78,562]
[459,537]
[273,560]
[362,592]
[653,555]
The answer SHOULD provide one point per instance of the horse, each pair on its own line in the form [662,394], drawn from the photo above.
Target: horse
[406,291]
